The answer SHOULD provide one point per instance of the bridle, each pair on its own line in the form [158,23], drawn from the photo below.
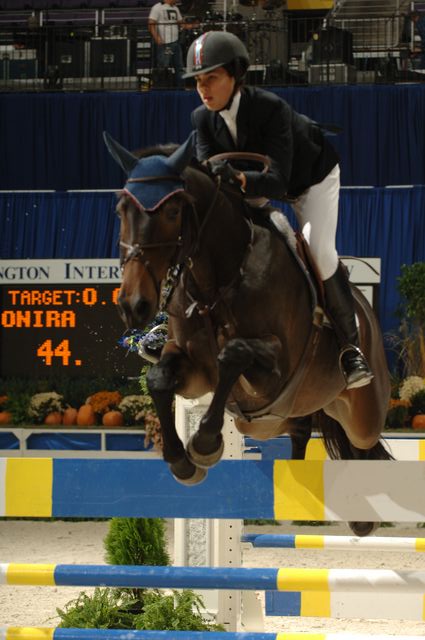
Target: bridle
[137,251]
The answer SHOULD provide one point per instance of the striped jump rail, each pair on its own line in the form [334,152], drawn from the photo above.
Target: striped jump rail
[45,633]
[336,490]
[281,579]
[337,543]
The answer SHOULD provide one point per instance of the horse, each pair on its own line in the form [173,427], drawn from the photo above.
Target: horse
[244,321]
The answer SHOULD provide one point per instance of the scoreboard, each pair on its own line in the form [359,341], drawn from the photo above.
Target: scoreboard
[61,317]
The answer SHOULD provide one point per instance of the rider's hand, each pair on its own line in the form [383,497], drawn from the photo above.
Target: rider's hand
[227,173]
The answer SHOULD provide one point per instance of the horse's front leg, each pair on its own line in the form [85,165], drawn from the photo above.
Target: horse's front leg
[162,381]
[205,447]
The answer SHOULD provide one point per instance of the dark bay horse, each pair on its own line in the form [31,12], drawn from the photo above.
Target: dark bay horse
[244,323]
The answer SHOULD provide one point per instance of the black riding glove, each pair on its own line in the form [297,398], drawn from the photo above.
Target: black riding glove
[224,169]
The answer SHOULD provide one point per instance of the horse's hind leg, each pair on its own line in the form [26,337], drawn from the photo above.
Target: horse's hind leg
[205,447]
[162,381]
[339,447]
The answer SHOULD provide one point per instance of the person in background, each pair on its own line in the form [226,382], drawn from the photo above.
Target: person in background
[418,20]
[304,169]
[164,23]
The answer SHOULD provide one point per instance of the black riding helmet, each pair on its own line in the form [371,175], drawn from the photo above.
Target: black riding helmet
[216,49]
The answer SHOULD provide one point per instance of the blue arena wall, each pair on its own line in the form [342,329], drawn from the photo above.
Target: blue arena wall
[54,140]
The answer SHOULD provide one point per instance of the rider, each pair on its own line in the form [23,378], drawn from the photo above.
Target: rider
[304,169]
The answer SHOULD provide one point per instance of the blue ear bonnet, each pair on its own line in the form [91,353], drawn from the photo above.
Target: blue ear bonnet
[153,179]
[151,194]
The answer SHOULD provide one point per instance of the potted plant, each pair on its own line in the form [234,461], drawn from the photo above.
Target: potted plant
[417,409]
[411,285]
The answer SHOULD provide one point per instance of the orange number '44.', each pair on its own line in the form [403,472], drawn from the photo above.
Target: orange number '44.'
[48,352]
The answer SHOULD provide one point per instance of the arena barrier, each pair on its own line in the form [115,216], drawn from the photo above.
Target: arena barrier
[40,633]
[338,543]
[316,489]
[337,490]
[381,604]
[281,579]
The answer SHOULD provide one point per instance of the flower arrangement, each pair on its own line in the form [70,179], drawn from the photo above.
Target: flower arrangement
[43,404]
[134,408]
[148,343]
[410,386]
[409,403]
[104,401]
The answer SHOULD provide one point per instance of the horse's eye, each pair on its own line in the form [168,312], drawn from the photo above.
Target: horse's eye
[173,212]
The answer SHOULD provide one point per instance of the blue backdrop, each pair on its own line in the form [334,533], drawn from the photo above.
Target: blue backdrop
[388,223]
[54,141]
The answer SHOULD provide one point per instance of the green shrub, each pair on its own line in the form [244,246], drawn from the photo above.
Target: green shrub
[397,417]
[136,541]
[417,403]
[105,609]
[116,609]
[179,611]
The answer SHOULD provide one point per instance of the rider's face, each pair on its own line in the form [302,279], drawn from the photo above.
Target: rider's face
[215,88]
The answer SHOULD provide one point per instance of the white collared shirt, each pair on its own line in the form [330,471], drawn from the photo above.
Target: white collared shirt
[229,116]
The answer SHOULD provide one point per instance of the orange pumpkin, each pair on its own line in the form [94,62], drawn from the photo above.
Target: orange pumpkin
[113,419]
[418,421]
[86,416]
[55,417]
[69,416]
[5,417]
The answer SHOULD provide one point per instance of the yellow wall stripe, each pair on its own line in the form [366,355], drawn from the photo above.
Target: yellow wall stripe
[30,633]
[316,450]
[420,544]
[301,636]
[302,580]
[309,542]
[299,490]
[421,452]
[40,574]
[316,604]
[29,484]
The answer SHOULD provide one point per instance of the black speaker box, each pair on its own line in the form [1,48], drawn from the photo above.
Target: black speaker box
[109,57]
[333,45]
[68,56]
[22,69]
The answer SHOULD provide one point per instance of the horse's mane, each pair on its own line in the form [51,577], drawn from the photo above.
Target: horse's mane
[156,150]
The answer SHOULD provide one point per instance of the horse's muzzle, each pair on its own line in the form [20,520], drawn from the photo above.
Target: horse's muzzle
[135,315]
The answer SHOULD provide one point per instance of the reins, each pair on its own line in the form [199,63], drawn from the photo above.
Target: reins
[184,264]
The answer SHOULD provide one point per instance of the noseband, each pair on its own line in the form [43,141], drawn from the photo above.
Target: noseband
[137,252]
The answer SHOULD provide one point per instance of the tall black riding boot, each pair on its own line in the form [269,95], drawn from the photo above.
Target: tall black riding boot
[340,308]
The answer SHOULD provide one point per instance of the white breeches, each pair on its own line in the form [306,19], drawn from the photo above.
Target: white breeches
[317,214]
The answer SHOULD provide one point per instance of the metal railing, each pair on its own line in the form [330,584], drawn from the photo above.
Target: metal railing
[101,52]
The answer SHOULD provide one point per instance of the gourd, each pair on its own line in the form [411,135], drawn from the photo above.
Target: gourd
[86,416]
[5,417]
[54,417]
[418,421]
[113,419]
[69,416]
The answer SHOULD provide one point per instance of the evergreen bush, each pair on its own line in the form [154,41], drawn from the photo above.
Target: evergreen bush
[136,541]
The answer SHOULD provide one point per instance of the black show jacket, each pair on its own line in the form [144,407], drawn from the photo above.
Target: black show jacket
[301,155]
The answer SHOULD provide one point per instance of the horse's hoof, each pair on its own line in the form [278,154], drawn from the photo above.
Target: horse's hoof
[362,529]
[198,476]
[204,460]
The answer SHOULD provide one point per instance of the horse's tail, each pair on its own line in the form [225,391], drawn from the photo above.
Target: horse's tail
[338,446]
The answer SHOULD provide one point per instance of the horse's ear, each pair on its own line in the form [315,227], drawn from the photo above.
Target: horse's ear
[125,159]
[182,156]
